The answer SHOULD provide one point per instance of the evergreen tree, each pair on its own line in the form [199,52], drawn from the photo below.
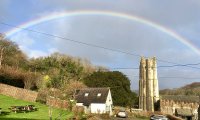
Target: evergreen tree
[118,83]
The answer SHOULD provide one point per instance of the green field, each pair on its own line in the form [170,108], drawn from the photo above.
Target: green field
[41,114]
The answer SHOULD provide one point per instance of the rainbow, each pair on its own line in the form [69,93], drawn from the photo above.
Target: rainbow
[140,20]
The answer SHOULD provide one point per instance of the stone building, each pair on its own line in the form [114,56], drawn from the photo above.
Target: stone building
[186,107]
[182,106]
[148,84]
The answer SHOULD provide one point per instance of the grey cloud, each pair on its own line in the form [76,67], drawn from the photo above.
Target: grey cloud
[4,7]
[130,37]
[170,13]
[186,77]
[175,15]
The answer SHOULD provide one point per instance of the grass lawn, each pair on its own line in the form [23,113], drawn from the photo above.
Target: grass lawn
[41,114]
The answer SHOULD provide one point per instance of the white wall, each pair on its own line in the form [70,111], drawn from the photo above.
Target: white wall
[79,104]
[109,102]
[98,108]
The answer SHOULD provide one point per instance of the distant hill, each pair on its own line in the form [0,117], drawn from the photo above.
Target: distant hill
[190,89]
[192,85]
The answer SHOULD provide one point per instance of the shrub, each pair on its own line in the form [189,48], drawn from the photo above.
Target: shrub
[104,116]
[42,96]
[78,112]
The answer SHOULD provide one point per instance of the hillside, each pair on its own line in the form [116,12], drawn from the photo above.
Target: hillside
[192,85]
[190,89]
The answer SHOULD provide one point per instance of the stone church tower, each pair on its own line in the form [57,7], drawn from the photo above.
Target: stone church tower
[148,84]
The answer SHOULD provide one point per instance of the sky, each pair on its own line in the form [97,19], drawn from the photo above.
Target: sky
[131,36]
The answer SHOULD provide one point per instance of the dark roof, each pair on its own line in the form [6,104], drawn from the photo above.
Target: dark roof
[183,98]
[184,112]
[92,95]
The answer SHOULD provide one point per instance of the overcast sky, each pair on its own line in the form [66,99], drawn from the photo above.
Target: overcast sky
[181,16]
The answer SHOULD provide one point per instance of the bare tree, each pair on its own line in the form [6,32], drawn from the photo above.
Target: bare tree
[72,86]
[1,50]
[10,54]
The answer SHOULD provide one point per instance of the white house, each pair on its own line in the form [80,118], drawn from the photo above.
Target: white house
[95,100]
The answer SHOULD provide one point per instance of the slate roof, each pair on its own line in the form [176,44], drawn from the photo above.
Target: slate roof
[183,98]
[92,95]
[184,112]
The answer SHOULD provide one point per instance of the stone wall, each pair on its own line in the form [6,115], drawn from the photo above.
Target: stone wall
[31,96]
[55,102]
[169,104]
[18,93]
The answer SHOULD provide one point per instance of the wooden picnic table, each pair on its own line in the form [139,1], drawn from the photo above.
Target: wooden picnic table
[16,108]
[26,108]
[32,107]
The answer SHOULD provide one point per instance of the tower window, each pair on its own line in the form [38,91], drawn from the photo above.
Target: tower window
[99,95]
[86,94]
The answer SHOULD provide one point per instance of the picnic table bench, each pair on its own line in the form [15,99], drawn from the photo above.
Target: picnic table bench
[31,108]
[27,108]
[16,108]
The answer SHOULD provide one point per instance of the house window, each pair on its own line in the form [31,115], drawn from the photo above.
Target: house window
[99,95]
[86,94]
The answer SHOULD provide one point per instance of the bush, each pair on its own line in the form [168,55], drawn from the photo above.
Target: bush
[42,96]
[78,112]
[18,77]
[104,116]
